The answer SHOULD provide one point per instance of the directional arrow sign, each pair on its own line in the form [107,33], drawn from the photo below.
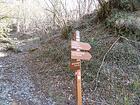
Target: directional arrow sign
[80,55]
[80,45]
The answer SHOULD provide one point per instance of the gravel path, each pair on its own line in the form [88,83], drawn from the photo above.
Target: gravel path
[16,84]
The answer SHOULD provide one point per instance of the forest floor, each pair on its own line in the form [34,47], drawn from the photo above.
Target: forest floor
[39,74]
[16,83]
[28,78]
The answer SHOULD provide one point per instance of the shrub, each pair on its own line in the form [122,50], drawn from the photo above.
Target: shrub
[106,7]
[66,31]
[125,28]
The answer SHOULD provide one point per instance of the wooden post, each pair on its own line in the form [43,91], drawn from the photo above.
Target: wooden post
[76,57]
[78,76]
[14,103]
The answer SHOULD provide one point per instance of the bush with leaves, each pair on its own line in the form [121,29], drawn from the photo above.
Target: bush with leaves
[107,6]
[124,24]
[4,29]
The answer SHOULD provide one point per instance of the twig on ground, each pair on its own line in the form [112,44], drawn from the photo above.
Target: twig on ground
[103,62]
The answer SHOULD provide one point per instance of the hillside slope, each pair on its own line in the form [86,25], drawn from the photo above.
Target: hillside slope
[111,77]
[112,73]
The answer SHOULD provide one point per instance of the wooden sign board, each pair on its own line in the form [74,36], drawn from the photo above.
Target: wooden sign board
[80,55]
[75,65]
[80,45]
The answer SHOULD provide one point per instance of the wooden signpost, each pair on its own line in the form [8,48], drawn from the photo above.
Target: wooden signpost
[76,56]
[80,55]
[80,45]
[75,65]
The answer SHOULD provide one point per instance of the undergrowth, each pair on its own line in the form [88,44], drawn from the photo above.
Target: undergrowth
[114,10]
[107,6]
[4,32]
[127,31]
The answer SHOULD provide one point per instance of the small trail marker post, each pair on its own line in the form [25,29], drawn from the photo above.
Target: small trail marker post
[77,54]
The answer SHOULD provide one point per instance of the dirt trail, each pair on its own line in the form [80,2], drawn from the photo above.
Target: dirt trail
[16,84]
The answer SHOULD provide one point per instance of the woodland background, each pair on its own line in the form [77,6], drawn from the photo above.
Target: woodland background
[35,34]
